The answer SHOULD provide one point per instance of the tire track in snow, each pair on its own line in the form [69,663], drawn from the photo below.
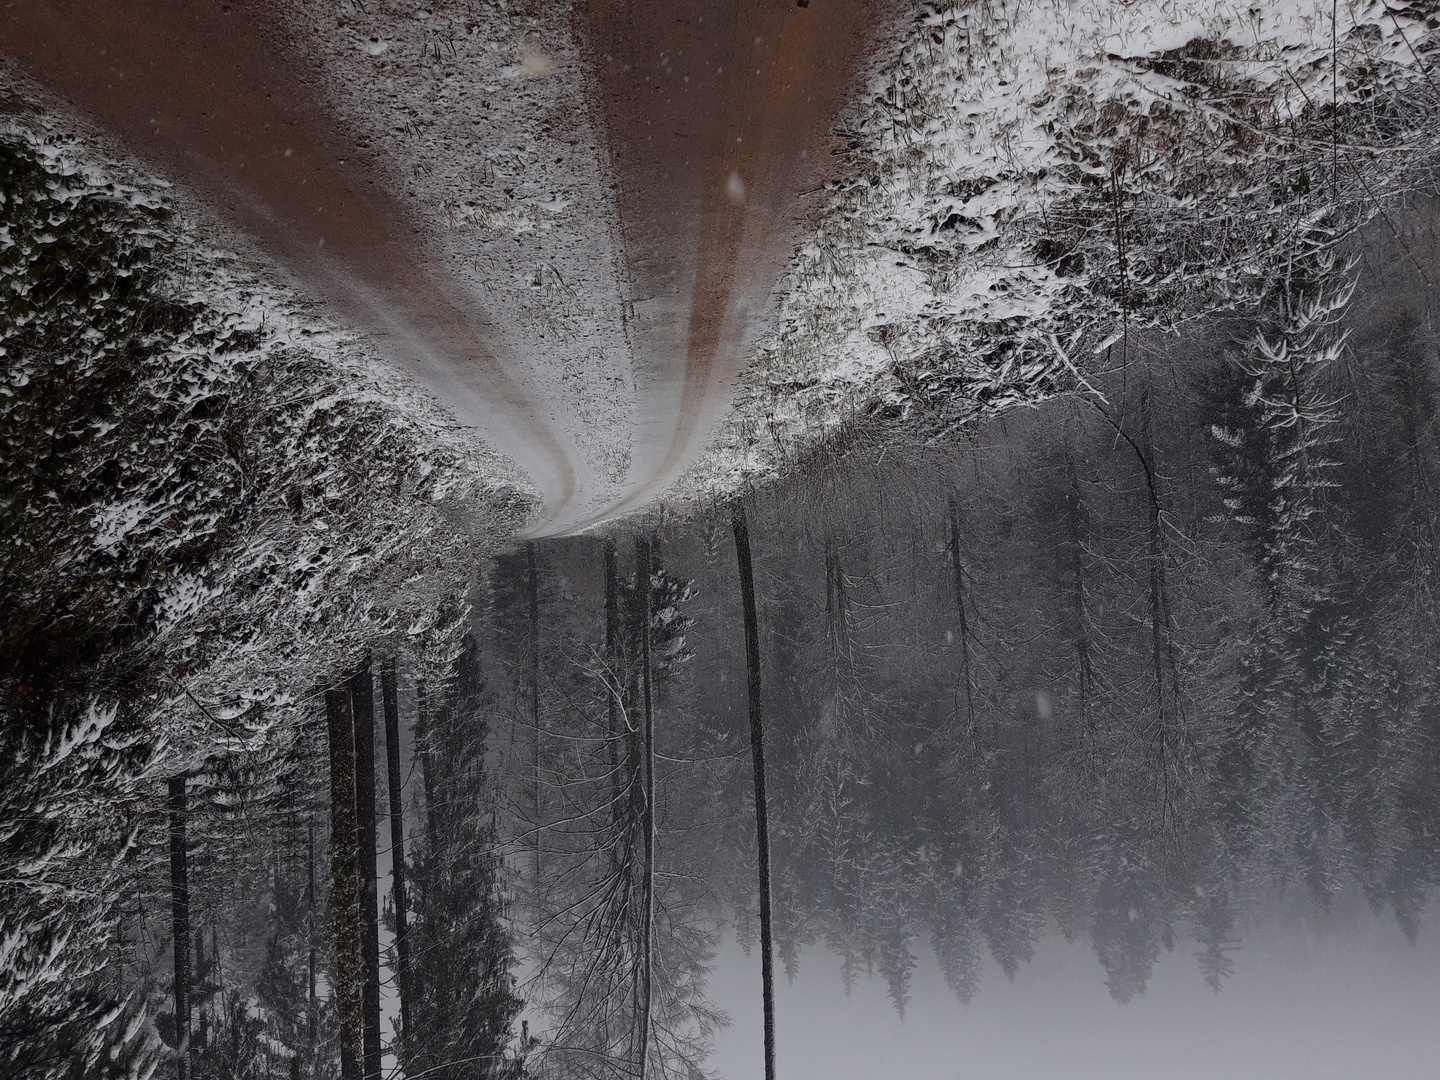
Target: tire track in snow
[718,118]
[198,89]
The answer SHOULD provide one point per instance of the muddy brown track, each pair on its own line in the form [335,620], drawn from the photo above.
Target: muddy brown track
[689,94]
[199,90]
[693,92]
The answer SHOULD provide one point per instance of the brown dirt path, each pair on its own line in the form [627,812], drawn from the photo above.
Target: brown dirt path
[719,118]
[198,89]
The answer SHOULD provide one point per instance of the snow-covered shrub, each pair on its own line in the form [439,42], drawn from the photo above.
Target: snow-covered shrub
[68,792]
[210,503]
[1029,181]
[183,486]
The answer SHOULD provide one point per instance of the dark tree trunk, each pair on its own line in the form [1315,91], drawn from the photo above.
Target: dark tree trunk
[1169,707]
[1163,647]
[612,666]
[1076,524]
[427,763]
[180,917]
[345,883]
[397,839]
[957,564]
[757,751]
[200,973]
[310,999]
[534,585]
[362,706]
[837,611]
[204,965]
[647,912]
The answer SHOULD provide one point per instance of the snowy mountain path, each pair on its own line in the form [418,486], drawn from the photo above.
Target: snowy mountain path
[719,119]
[713,130]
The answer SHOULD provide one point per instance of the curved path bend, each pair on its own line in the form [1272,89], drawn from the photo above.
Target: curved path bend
[717,117]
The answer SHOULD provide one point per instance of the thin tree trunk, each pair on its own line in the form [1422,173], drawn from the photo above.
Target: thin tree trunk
[612,666]
[1168,703]
[362,707]
[1161,626]
[837,613]
[397,838]
[180,918]
[958,566]
[345,884]
[207,973]
[1161,622]
[757,751]
[1075,530]
[647,911]
[427,764]
[833,629]
[310,1000]
[534,583]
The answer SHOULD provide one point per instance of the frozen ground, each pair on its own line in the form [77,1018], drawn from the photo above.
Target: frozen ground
[625,249]
[1026,179]
[571,247]
[361,505]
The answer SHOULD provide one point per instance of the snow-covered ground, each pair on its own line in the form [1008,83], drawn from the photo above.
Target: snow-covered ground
[479,118]
[1019,183]
[350,508]
[1027,178]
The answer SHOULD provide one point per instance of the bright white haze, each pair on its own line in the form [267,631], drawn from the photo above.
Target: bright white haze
[1341,998]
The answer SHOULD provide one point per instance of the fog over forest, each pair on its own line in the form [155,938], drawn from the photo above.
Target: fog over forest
[919,562]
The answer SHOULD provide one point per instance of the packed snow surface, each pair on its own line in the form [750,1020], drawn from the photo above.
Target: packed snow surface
[535,272]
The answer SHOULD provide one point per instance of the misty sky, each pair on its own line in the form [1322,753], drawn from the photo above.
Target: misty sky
[1340,998]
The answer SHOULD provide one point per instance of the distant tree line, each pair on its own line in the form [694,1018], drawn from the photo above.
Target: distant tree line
[1127,664]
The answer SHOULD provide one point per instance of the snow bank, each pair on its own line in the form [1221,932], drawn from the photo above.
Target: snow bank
[1028,180]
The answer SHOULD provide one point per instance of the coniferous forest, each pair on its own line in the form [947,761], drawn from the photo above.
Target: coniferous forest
[1057,559]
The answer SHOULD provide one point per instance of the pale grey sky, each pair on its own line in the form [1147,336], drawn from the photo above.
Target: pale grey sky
[1350,1000]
